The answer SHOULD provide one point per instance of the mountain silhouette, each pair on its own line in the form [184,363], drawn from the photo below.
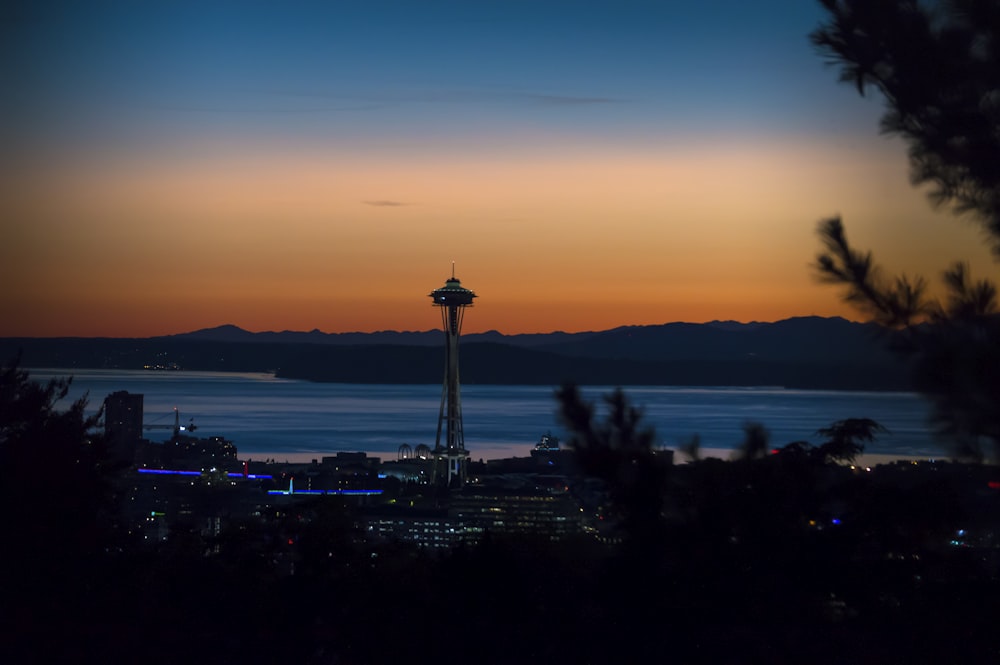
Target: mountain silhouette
[804,352]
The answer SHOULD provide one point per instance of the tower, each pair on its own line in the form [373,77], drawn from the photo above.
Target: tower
[451,458]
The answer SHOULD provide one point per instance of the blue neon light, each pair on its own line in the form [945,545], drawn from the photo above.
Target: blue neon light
[172,472]
[320,492]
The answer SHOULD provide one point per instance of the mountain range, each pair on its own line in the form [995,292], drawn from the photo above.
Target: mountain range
[802,352]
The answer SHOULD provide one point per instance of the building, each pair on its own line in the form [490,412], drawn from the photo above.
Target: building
[429,528]
[123,423]
[533,511]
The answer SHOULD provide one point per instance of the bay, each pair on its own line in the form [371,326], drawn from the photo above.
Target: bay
[284,419]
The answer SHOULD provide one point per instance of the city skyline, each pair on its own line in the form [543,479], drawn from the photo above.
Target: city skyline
[173,167]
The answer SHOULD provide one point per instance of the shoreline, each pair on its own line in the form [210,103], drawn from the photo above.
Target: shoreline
[306,457]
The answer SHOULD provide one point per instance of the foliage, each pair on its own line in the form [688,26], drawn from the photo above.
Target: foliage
[755,440]
[846,439]
[902,302]
[620,452]
[691,448]
[953,345]
[58,508]
[59,453]
[937,65]
[833,556]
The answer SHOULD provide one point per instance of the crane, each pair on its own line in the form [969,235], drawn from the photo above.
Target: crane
[176,427]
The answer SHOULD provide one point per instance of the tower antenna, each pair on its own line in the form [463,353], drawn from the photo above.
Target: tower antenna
[450,456]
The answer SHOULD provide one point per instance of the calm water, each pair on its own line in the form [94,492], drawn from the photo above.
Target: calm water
[284,419]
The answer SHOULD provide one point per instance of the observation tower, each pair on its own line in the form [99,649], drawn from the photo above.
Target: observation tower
[450,457]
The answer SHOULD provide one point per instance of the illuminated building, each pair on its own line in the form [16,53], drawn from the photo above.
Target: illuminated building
[525,511]
[432,529]
[451,457]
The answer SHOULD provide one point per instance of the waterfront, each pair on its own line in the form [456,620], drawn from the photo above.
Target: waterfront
[295,420]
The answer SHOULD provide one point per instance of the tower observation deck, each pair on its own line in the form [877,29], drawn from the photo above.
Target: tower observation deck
[450,456]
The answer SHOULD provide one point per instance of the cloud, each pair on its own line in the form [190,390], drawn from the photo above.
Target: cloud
[284,100]
[490,97]
[566,100]
[317,101]
[384,203]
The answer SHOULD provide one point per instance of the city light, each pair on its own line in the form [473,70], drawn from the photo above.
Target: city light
[230,474]
[289,492]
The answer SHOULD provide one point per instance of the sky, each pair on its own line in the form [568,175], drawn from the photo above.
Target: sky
[167,166]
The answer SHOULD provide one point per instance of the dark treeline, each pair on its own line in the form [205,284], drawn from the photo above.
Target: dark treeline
[771,558]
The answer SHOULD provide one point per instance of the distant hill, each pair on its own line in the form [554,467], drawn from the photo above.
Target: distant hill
[804,352]
[802,339]
[231,333]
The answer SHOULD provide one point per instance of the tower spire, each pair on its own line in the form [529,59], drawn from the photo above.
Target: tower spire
[451,457]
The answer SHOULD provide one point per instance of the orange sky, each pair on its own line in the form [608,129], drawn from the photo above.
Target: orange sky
[572,239]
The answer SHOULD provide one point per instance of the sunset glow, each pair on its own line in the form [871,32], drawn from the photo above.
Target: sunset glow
[568,201]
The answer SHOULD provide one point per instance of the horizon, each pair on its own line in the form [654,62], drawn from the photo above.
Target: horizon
[308,166]
[430,330]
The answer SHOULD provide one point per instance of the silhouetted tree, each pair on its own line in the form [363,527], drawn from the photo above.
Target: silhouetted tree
[937,65]
[691,448]
[620,452]
[59,460]
[755,441]
[57,511]
[787,557]
[846,439]
[800,450]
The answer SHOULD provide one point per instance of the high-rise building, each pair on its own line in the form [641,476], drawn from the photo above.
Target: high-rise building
[123,423]
[450,457]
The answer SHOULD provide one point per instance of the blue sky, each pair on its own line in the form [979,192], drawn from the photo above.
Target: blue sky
[408,71]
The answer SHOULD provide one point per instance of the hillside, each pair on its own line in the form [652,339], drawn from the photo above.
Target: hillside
[808,352]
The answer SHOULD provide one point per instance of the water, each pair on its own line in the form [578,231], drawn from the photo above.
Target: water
[295,420]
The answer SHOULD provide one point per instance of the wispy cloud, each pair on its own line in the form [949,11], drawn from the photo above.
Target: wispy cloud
[279,100]
[243,108]
[567,100]
[482,96]
[385,203]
